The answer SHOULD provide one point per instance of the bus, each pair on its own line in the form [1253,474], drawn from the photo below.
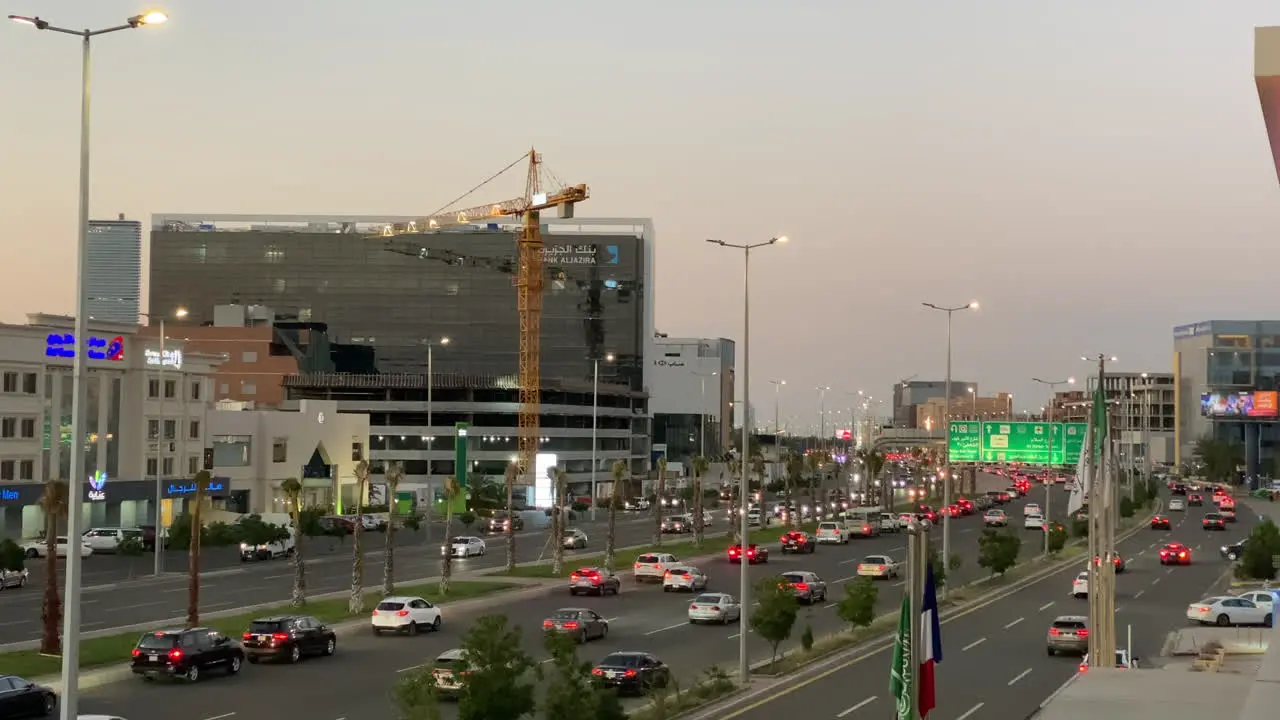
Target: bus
[863,521]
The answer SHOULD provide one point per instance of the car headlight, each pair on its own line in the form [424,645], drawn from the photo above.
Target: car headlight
[444,550]
[244,546]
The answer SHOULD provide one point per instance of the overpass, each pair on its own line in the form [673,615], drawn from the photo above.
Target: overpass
[908,437]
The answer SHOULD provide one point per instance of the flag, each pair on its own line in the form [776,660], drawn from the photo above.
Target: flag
[1080,488]
[930,643]
[901,674]
[1101,437]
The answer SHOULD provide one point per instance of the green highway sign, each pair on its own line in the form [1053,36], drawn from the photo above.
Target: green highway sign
[966,437]
[1016,442]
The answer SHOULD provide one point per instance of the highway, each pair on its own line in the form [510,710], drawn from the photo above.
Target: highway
[994,659]
[642,618]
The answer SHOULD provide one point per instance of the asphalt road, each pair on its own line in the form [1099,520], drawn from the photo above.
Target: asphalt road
[994,660]
[641,617]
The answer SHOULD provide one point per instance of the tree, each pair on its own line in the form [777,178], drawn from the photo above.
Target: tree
[657,505]
[611,540]
[512,474]
[415,696]
[858,606]
[292,490]
[1220,458]
[873,461]
[394,476]
[561,480]
[1057,538]
[451,492]
[201,482]
[941,570]
[12,556]
[1262,546]
[700,466]
[998,551]
[355,602]
[496,684]
[774,616]
[795,476]
[54,504]
[131,549]
[569,693]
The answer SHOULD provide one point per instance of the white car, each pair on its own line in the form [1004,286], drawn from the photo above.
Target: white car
[574,538]
[465,547]
[1177,504]
[1080,586]
[267,551]
[406,615]
[1226,611]
[889,523]
[1031,509]
[995,518]
[1033,522]
[653,566]
[878,566]
[832,532]
[714,608]
[107,539]
[38,548]
[1261,598]
[684,577]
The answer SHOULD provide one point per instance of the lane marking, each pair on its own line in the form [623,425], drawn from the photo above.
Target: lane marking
[1019,676]
[669,627]
[1015,622]
[411,668]
[971,711]
[973,644]
[277,577]
[135,606]
[203,586]
[1169,571]
[851,560]
[1153,582]
[862,704]
[219,717]
[1046,606]
[1138,594]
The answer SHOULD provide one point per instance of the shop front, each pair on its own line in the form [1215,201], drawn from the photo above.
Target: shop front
[176,497]
[104,502]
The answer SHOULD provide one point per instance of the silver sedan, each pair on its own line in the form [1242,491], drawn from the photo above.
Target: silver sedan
[719,608]
[684,578]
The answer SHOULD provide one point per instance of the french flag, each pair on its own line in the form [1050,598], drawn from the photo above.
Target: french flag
[930,643]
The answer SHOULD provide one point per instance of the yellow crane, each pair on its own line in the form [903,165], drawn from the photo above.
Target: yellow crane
[529,275]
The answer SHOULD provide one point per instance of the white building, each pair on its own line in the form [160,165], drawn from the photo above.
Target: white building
[113,276]
[691,395]
[144,427]
[257,450]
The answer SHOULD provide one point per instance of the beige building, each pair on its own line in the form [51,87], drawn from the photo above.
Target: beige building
[969,407]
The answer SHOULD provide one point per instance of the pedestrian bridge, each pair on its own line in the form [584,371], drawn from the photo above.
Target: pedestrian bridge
[908,437]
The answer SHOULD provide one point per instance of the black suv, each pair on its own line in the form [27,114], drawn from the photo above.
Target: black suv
[20,698]
[498,523]
[288,638]
[186,654]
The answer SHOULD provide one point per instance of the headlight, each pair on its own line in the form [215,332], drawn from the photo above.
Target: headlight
[444,550]
[244,546]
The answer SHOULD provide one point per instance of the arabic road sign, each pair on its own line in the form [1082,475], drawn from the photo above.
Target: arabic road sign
[1016,442]
[965,441]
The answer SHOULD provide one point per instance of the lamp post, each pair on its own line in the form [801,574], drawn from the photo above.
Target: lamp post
[744,668]
[1048,485]
[178,313]
[946,411]
[70,702]
[777,429]
[1010,413]
[595,410]
[431,436]
[702,412]
[973,395]
[822,415]
[1146,427]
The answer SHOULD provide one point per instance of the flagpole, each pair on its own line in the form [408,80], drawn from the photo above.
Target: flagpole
[919,554]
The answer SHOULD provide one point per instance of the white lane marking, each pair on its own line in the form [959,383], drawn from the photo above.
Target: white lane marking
[411,668]
[203,586]
[1138,594]
[1046,606]
[851,560]
[17,622]
[1019,676]
[971,711]
[862,704]
[219,717]
[135,606]
[277,577]
[851,577]
[973,644]
[900,584]
[669,627]
[1170,570]
[1015,622]
[1153,582]
[828,606]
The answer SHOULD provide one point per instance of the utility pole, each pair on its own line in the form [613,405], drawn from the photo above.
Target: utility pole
[1102,527]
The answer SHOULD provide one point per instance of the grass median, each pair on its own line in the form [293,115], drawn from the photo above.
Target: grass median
[624,559]
[111,649]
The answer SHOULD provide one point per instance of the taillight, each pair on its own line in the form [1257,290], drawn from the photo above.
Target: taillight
[595,579]
[402,613]
[666,574]
[136,652]
[693,607]
[1182,554]
[547,624]
[751,552]
[1054,631]
[246,636]
[375,613]
[597,671]
[881,568]
[1083,667]
[802,587]
[630,673]
[866,529]
[279,637]
[573,577]
[1082,633]
[571,625]
[175,654]
[716,608]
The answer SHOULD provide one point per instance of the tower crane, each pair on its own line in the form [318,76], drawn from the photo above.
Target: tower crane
[528,278]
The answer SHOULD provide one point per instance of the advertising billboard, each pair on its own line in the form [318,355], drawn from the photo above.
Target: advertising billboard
[544,494]
[1258,404]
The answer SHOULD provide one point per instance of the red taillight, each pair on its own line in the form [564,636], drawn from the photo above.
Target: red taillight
[279,637]
[246,637]
[881,568]
[1054,631]
[751,552]
[666,574]
[571,625]
[175,654]
[136,652]
[595,579]
[375,613]
[1082,633]
[547,624]
[573,577]
[630,673]
[716,608]
[733,552]
[402,613]
[1083,667]
[1164,553]
[1182,554]
[866,529]
[597,671]
[693,607]
[802,587]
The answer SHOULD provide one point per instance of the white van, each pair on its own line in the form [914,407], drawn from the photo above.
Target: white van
[108,539]
[863,521]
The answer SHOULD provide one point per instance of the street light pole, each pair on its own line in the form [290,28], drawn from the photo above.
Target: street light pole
[1048,484]
[160,529]
[69,705]
[744,590]
[431,436]
[595,416]
[777,430]
[946,478]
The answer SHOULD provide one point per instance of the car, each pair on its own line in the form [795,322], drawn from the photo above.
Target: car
[579,623]
[878,566]
[1033,522]
[464,546]
[447,672]
[336,525]
[1175,554]
[1122,661]
[1031,509]
[268,550]
[1080,585]
[1178,489]
[1116,559]
[1068,634]
[21,698]
[797,542]
[13,578]
[185,654]
[574,539]
[1161,522]
[636,504]
[995,518]
[39,548]
[678,524]
[1234,551]
[653,566]
[1213,521]
[108,539]
[500,521]
[684,577]
[755,554]
[834,533]
[1261,598]
[719,608]
[634,672]
[588,580]
[1228,514]
[405,614]
[1195,500]
[905,520]
[807,586]
[890,523]
[288,638]
[1177,504]
[1225,611]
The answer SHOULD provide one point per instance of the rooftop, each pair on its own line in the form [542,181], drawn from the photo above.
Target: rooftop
[1172,693]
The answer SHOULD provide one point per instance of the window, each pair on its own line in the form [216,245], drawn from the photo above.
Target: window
[279,450]
[170,389]
[11,382]
[356,452]
[170,429]
[153,429]
[168,467]
[153,388]
[232,450]
[248,388]
[193,430]
[30,383]
[249,356]
[9,428]
[193,465]
[27,470]
[28,427]
[6,470]
[195,389]
[151,466]
[223,389]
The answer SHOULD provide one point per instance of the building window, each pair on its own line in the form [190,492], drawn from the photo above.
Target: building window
[170,429]
[27,470]
[279,450]
[9,428]
[249,356]
[193,430]
[195,389]
[30,383]
[232,450]
[193,466]
[11,382]
[28,427]
[224,389]
[356,453]
[153,429]
[248,388]
[151,466]
[153,388]
[170,389]
[168,467]
[6,470]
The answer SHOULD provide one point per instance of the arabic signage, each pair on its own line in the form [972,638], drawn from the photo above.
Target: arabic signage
[669,362]
[168,358]
[63,345]
[581,254]
[97,486]
[1016,442]
[1260,404]
[1186,331]
[190,488]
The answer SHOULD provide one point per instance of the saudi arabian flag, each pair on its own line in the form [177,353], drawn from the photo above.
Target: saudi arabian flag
[1100,434]
[902,674]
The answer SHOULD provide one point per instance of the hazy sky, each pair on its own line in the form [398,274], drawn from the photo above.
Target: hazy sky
[1093,172]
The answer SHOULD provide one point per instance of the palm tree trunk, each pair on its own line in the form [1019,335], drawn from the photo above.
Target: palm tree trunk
[657,510]
[299,595]
[355,603]
[193,565]
[698,526]
[557,534]
[610,540]
[510,530]
[51,606]
[446,561]
[389,558]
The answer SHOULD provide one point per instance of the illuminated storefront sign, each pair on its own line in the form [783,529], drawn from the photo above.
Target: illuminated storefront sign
[190,488]
[169,358]
[97,486]
[63,345]
[8,495]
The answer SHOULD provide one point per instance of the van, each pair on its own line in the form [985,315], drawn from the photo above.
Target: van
[863,521]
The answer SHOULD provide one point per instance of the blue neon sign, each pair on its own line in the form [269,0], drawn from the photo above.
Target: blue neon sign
[8,495]
[63,345]
[191,489]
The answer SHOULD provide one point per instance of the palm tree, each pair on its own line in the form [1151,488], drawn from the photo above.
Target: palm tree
[813,465]
[657,506]
[1220,458]
[394,475]
[54,503]
[201,482]
[512,474]
[757,468]
[355,603]
[795,476]
[700,465]
[873,461]
[610,541]
[560,478]
[451,490]
[292,490]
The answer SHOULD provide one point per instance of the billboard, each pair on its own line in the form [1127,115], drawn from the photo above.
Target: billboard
[544,495]
[1259,404]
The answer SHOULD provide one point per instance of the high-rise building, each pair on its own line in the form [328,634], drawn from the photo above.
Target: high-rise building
[908,394]
[692,395]
[113,281]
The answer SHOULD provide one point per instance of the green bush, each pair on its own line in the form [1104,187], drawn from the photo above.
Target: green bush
[806,638]
[1079,528]
[1057,538]
[1127,508]
[1263,544]
[11,555]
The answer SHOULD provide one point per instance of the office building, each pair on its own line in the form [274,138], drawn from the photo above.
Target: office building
[692,395]
[971,406]
[113,272]
[911,393]
[1142,411]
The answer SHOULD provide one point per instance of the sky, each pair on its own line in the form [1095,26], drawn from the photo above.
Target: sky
[1075,167]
